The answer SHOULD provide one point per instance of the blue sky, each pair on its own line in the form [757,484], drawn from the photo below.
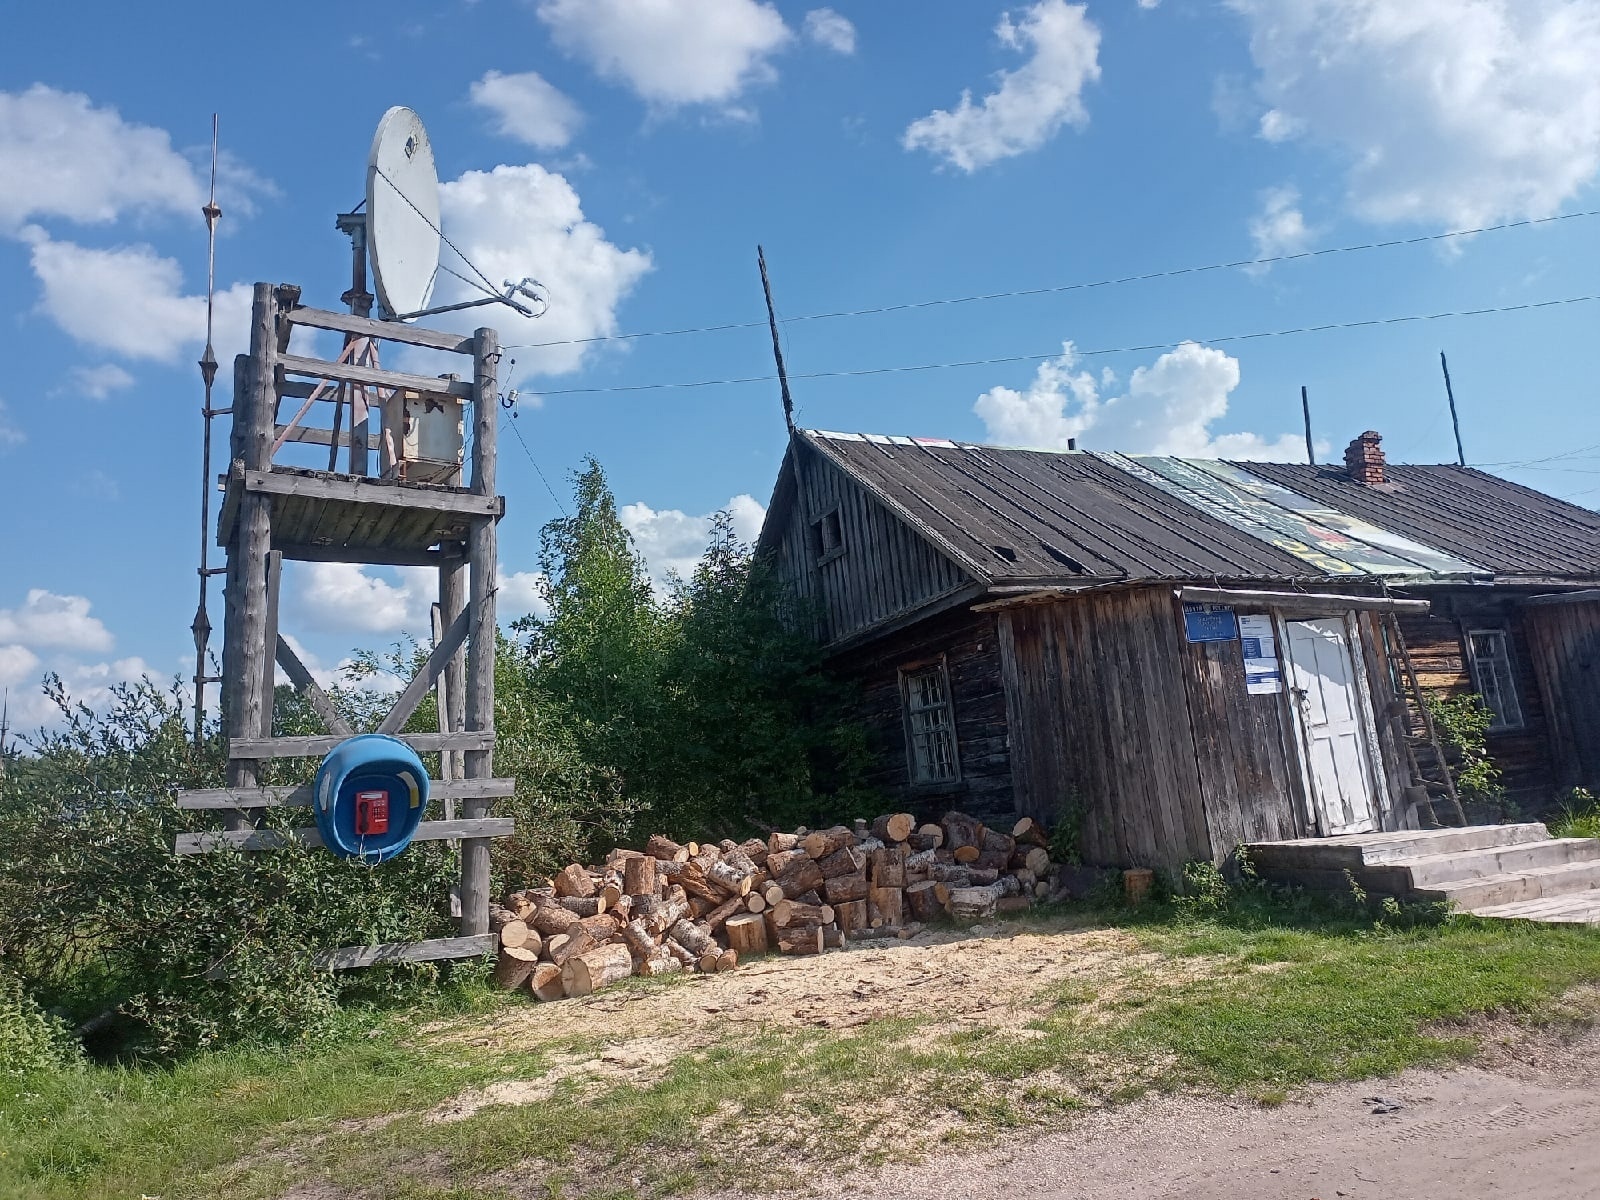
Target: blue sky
[632,153]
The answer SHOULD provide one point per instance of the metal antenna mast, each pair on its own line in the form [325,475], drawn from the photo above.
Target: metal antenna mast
[1455,422]
[777,348]
[208,373]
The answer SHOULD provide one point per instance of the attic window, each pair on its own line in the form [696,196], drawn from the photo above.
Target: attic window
[827,537]
[1005,552]
[930,725]
[1490,656]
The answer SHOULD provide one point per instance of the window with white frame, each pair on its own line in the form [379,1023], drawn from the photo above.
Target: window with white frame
[930,725]
[1489,651]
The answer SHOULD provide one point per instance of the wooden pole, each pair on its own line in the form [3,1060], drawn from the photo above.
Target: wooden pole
[247,557]
[481,555]
[1305,409]
[777,349]
[453,683]
[1461,455]
[269,663]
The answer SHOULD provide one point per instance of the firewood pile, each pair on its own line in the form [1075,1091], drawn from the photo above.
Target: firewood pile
[704,907]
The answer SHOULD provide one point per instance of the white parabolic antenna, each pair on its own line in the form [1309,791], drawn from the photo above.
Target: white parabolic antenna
[402,213]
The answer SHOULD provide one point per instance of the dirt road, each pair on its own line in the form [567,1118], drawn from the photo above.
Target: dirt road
[1526,1127]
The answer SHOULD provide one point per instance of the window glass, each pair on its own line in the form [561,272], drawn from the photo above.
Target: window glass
[1491,671]
[930,726]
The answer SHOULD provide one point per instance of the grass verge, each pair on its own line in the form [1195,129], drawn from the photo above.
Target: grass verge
[1292,993]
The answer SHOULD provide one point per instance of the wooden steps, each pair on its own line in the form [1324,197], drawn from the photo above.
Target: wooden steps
[1511,871]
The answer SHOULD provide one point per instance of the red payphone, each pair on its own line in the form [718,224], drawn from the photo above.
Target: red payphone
[372,813]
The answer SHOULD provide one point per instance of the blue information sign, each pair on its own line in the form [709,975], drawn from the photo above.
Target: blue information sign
[1209,623]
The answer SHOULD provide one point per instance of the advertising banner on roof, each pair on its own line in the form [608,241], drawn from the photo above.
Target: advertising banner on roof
[1332,542]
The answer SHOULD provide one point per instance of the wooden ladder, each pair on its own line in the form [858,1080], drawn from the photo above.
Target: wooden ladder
[1413,712]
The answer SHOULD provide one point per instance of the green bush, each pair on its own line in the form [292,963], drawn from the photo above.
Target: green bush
[1462,723]
[1579,816]
[30,1039]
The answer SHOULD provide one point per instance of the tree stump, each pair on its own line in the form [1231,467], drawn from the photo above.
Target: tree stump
[639,876]
[746,934]
[885,905]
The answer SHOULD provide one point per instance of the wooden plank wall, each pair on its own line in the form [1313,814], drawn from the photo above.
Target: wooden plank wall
[1388,719]
[968,643]
[1098,705]
[1564,645]
[886,569]
[1250,781]
[1438,648]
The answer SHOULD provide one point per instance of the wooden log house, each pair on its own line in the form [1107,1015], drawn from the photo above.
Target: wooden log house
[1179,655]
[273,511]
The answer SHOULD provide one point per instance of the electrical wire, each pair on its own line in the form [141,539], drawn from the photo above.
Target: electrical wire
[1056,289]
[539,472]
[1000,360]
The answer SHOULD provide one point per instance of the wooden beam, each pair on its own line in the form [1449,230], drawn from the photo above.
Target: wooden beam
[391,331]
[376,556]
[425,385]
[424,679]
[372,491]
[269,666]
[277,839]
[316,437]
[1587,595]
[301,796]
[1320,601]
[319,744]
[310,689]
[348,958]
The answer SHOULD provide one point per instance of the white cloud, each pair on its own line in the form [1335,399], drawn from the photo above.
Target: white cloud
[62,157]
[10,435]
[526,107]
[1280,227]
[343,598]
[18,665]
[1169,408]
[518,595]
[1448,112]
[828,29]
[518,221]
[672,541]
[1030,104]
[129,300]
[98,382]
[671,52]
[48,619]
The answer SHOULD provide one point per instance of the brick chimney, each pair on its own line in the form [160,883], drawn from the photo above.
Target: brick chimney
[1364,460]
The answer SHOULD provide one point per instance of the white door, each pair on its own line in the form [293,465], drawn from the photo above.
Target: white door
[1324,689]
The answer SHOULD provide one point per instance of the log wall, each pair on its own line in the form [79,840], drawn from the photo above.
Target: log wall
[968,643]
[1438,648]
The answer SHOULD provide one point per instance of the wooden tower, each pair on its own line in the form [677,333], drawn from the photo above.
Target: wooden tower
[272,512]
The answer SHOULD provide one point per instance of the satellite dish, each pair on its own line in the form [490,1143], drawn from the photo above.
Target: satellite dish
[402,213]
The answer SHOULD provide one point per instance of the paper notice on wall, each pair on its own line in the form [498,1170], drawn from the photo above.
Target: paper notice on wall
[1263,675]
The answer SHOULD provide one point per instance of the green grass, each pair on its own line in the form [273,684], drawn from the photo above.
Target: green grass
[1257,1000]
[1579,817]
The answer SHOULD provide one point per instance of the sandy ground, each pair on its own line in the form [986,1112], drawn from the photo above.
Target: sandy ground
[1526,1126]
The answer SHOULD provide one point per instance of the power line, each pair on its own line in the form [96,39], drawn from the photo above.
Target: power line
[1027,358]
[538,471]
[1056,289]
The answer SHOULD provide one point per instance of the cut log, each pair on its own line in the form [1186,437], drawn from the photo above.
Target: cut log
[573,880]
[514,934]
[680,952]
[597,968]
[801,939]
[963,835]
[545,982]
[998,861]
[579,941]
[554,945]
[772,893]
[994,840]
[888,868]
[644,906]
[832,937]
[959,876]
[639,876]
[514,966]
[747,934]
[825,841]
[895,827]
[736,858]
[851,915]
[846,860]
[756,849]
[885,905]
[727,960]
[729,878]
[611,892]
[661,963]
[792,912]
[845,887]
[717,916]
[1037,860]
[692,937]
[927,900]
[602,928]
[584,906]
[929,837]
[976,903]
[639,940]
[551,919]
[755,902]
[664,848]
[777,843]
[1030,832]
[708,961]
[803,878]
[779,863]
